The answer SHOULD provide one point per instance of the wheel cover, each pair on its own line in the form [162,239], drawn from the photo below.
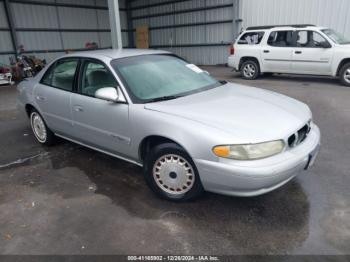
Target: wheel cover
[173,174]
[249,70]
[38,127]
[347,75]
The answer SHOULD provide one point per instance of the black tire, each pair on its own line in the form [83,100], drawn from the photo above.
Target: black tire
[250,70]
[49,138]
[153,163]
[344,74]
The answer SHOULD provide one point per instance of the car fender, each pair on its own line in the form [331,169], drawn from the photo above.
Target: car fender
[339,60]
[26,95]
[196,138]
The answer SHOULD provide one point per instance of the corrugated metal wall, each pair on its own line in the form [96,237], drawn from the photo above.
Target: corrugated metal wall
[334,14]
[47,30]
[5,37]
[198,30]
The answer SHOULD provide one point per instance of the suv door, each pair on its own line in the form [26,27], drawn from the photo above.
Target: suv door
[312,54]
[99,123]
[277,52]
[53,94]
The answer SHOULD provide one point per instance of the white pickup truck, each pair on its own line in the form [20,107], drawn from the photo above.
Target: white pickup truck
[291,49]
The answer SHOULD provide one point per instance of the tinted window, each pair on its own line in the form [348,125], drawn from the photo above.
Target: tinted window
[62,75]
[281,38]
[95,76]
[310,39]
[251,38]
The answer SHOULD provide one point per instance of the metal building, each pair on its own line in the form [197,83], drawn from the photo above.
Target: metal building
[334,14]
[199,30]
[49,28]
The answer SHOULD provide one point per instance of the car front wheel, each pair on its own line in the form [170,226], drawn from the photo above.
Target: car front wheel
[345,74]
[171,173]
[41,132]
[250,70]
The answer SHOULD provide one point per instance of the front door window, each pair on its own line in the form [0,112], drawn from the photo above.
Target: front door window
[310,39]
[95,76]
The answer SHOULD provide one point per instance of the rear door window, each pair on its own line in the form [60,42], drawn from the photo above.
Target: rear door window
[251,38]
[61,74]
[47,78]
[281,39]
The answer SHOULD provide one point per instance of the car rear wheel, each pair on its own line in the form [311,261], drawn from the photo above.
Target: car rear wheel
[171,173]
[250,70]
[345,74]
[41,132]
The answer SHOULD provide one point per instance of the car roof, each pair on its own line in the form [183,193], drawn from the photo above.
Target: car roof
[280,27]
[116,53]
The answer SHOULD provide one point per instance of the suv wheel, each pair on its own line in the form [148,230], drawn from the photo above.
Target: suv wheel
[41,132]
[345,74]
[171,173]
[250,70]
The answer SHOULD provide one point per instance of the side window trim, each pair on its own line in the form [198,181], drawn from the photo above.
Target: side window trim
[52,67]
[76,76]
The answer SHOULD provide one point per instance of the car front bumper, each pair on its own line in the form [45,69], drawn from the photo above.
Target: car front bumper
[253,178]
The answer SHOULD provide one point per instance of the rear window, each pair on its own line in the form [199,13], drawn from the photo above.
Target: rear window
[251,38]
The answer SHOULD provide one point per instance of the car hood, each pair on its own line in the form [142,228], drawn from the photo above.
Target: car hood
[345,46]
[249,114]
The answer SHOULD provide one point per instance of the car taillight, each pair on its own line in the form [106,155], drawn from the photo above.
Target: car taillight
[232,50]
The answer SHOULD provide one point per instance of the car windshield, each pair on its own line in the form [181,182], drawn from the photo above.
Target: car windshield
[151,78]
[336,37]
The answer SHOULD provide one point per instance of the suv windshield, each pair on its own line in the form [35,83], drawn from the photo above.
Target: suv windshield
[151,78]
[336,37]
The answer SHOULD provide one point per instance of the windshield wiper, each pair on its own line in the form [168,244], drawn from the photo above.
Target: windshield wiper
[163,98]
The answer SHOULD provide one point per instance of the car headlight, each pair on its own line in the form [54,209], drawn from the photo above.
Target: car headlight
[250,151]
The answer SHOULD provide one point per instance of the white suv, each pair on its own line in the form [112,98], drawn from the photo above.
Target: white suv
[294,49]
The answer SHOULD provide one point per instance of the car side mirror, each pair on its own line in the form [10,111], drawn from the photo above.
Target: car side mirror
[111,94]
[325,45]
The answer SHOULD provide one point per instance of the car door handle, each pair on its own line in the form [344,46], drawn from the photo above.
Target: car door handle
[266,51]
[78,109]
[40,98]
[298,52]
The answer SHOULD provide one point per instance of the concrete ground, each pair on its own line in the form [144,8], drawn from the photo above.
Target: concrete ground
[71,200]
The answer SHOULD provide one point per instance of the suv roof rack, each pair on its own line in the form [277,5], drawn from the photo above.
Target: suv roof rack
[273,26]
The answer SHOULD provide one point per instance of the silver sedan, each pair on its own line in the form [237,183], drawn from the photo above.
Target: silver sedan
[189,131]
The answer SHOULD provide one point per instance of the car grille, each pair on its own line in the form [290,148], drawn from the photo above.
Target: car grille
[297,138]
